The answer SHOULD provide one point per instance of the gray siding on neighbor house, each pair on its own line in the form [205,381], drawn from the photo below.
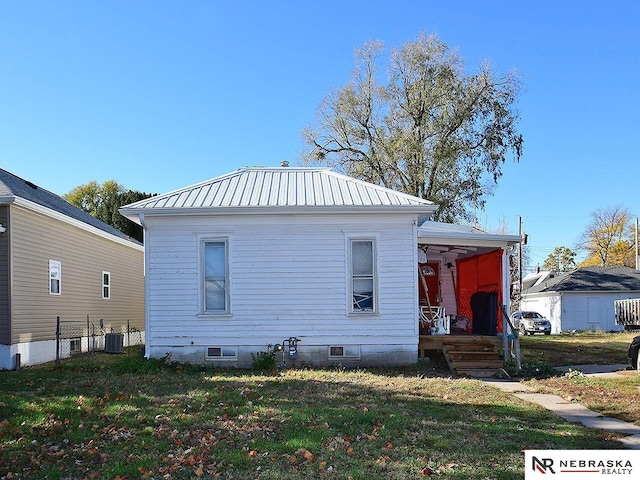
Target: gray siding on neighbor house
[84,256]
[5,324]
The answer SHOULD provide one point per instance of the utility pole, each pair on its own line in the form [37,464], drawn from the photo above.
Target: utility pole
[637,249]
[520,253]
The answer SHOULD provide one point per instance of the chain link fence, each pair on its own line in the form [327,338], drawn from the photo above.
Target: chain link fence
[83,336]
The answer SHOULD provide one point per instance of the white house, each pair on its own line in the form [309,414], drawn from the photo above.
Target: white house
[262,255]
[583,299]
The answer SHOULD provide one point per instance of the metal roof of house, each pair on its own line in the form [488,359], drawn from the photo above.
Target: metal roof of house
[592,279]
[15,190]
[296,188]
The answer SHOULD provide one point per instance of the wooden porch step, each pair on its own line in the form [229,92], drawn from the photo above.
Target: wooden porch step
[476,365]
[470,361]
[474,356]
[478,373]
[470,355]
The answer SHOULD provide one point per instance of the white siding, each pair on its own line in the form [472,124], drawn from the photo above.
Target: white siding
[288,276]
[548,306]
[590,311]
[576,311]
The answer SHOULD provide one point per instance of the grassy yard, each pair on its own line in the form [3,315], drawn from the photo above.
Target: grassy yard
[616,397]
[123,417]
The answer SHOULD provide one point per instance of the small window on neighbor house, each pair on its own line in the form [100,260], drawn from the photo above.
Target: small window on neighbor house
[55,277]
[363,281]
[75,345]
[106,285]
[216,288]
[222,353]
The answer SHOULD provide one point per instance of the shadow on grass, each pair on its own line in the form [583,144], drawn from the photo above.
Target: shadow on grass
[130,415]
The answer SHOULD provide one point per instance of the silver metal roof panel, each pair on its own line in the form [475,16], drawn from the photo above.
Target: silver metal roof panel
[258,187]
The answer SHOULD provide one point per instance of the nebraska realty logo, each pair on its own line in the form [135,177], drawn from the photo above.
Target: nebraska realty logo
[565,464]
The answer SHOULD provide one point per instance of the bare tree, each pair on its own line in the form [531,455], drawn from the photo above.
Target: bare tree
[431,131]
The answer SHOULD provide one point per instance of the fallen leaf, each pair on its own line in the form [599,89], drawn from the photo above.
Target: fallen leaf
[306,454]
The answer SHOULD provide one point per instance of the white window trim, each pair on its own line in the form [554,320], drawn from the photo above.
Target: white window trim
[58,277]
[376,293]
[201,278]
[106,285]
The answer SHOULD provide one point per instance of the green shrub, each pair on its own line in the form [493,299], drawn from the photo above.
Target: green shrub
[264,361]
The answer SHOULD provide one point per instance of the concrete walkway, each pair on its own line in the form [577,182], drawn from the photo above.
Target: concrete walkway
[573,412]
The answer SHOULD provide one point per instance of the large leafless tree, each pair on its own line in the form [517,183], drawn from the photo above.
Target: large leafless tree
[429,130]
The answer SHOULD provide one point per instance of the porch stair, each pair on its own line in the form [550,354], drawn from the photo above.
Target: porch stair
[472,356]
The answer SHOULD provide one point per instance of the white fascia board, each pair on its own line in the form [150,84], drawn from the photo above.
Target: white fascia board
[35,207]
[474,240]
[134,213]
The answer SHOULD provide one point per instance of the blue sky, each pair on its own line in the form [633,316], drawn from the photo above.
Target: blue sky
[160,94]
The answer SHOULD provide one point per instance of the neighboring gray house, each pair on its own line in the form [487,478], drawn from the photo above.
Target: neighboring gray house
[265,254]
[582,299]
[57,260]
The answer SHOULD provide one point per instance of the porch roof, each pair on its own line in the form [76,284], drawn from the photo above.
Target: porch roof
[449,235]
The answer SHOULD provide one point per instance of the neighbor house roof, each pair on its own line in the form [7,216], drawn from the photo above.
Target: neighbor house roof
[284,188]
[17,191]
[591,279]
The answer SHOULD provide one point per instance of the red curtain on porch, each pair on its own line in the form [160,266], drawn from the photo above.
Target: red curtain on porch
[481,273]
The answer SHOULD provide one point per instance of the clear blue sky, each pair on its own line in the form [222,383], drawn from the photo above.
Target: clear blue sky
[162,94]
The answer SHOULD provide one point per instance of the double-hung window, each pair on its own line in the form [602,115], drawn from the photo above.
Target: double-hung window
[216,283]
[55,277]
[106,285]
[363,276]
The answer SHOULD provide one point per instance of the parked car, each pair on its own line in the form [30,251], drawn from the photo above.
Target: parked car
[632,354]
[530,323]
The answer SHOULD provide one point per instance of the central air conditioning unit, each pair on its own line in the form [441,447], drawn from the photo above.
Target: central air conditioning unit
[113,342]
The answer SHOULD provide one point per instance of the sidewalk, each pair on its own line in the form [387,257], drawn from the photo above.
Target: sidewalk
[573,412]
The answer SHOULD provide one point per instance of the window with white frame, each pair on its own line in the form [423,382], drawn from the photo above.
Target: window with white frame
[106,285]
[55,277]
[363,276]
[216,285]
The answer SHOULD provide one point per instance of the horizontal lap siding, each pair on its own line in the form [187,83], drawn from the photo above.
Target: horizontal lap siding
[84,256]
[288,277]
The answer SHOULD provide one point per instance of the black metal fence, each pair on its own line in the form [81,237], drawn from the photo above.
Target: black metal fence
[83,336]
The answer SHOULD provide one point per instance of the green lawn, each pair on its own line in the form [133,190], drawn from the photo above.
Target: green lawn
[123,417]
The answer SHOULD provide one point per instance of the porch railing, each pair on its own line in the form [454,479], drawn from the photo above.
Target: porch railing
[510,340]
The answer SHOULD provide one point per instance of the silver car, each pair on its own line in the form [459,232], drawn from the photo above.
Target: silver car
[530,322]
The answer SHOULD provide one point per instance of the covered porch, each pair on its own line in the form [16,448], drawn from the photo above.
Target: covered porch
[463,290]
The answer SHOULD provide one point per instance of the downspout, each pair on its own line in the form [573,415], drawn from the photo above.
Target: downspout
[147,327]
